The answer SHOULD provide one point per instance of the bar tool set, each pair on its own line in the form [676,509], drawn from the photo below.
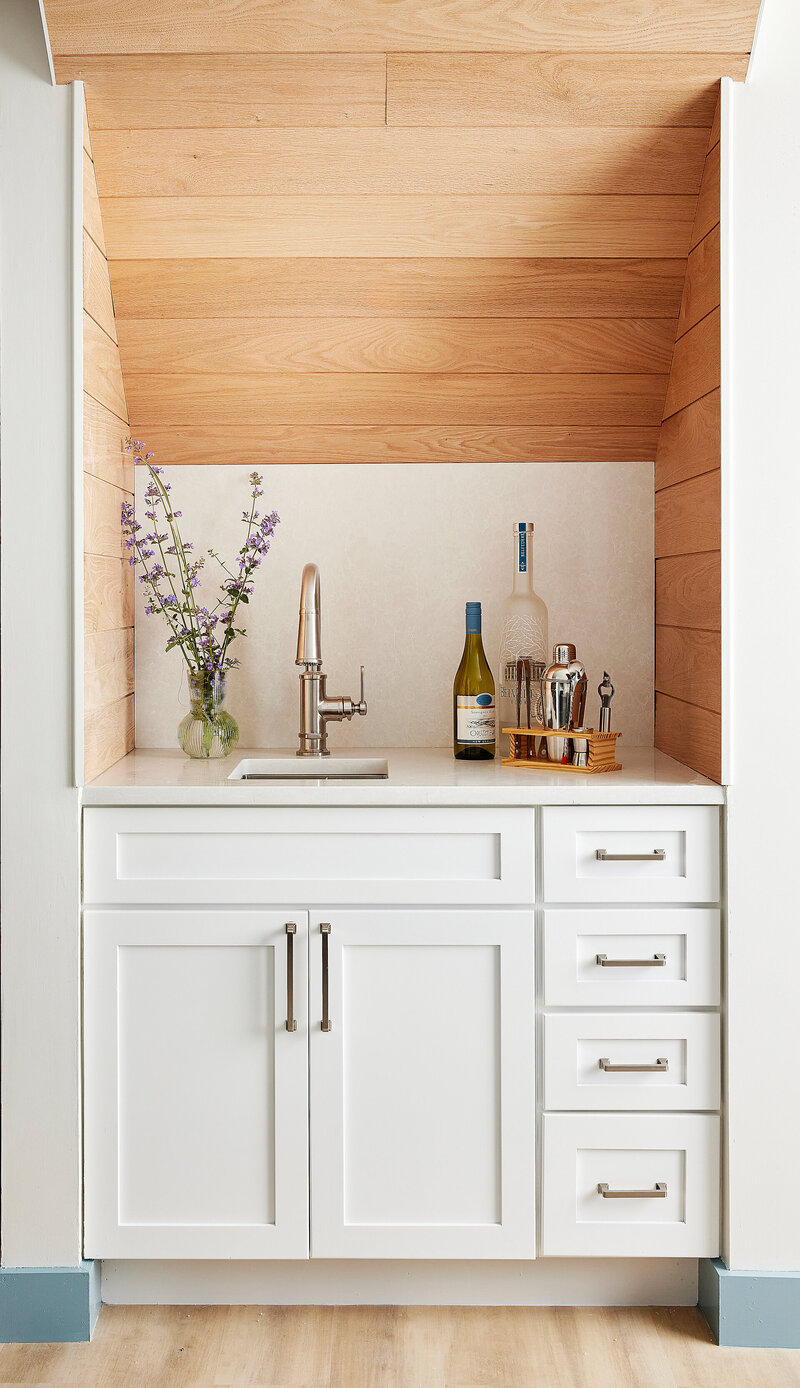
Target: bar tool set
[561,741]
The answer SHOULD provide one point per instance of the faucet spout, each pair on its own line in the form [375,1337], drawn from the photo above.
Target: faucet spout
[309,641]
[317,707]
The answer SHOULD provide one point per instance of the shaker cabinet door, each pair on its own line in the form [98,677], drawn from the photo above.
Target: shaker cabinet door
[422,1084]
[196,1092]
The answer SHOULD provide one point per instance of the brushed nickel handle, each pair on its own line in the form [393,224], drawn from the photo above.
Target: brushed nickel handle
[291,1021]
[661,1065]
[657,856]
[658,961]
[660,1192]
[325,930]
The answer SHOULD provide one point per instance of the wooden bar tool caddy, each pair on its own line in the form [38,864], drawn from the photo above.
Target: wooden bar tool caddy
[597,749]
[602,750]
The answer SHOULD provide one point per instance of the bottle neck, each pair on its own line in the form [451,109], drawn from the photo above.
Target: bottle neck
[523,563]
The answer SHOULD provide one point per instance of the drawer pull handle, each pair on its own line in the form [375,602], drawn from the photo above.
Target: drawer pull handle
[657,856]
[658,961]
[291,1021]
[660,1192]
[325,930]
[661,1065]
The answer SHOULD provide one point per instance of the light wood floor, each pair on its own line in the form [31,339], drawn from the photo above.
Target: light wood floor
[391,1347]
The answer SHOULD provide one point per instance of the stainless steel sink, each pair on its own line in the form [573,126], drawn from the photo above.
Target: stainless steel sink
[331,768]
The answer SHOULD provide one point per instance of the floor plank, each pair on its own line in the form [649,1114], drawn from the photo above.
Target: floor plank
[398,1347]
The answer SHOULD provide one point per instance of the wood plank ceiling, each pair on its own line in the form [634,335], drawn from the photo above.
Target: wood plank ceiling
[408,231]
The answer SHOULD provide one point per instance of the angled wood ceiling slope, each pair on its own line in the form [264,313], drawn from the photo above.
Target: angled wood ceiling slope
[407,231]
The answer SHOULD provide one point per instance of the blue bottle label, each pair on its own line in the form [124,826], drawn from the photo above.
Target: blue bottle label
[523,552]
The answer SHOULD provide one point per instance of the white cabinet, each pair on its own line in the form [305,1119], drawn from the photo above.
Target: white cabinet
[642,1061]
[637,853]
[398,1118]
[631,1185]
[397,857]
[196,1112]
[657,957]
[422,1100]
[422,1088]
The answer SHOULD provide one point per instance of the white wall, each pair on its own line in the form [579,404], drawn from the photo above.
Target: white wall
[41,1173]
[401,549]
[761,466]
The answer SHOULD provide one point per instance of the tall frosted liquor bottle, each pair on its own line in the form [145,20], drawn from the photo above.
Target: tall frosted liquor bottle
[523,637]
[473,697]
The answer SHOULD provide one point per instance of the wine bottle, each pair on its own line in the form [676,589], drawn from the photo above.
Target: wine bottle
[523,636]
[473,697]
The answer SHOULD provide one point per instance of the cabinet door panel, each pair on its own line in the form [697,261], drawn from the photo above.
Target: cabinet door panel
[195,1092]
[422,1092]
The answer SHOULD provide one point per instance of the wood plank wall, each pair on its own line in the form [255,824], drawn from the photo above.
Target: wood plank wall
[107,482]
[687,527]
[390,255]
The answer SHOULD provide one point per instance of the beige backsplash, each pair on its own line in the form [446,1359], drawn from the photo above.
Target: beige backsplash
[401,548]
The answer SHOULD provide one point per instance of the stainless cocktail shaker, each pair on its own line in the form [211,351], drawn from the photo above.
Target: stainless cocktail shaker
[564,691]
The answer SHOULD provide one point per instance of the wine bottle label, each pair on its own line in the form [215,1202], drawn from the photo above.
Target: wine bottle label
[475,719]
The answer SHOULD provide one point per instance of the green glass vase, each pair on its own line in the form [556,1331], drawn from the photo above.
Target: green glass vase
[208,730]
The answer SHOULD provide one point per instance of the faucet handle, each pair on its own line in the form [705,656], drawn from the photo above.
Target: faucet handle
[361,706]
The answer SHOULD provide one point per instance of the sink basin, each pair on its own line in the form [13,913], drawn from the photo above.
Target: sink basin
[311,769]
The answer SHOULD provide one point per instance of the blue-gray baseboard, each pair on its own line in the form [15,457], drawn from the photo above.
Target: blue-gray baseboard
[48,1305]
[758,1310]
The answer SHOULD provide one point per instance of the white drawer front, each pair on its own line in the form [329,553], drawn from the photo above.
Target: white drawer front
[631,958]
[315,857]
[632,1154]
[631,853]
[682,1046]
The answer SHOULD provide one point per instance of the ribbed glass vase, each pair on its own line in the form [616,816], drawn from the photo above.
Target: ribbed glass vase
[208,730]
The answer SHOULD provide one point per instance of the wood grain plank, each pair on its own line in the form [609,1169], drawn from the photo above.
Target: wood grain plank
[689,442]
[689,734]
[688,666]
[258,226]
[92,220]
[608,345]
[233,91]
[97,298]
[707,214]
[701,292]
[471,89]
[264,26]
[108,667]
[259,445]
[687,516]
[528,160]
[108,735]
[102,374]
[695,364]
[688,591]
[398,398]
[102,527]
[104,437]
[108,593]
[468,288]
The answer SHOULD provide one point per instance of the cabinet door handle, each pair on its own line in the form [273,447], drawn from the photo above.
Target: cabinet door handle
[325,930]
[657,856]
[291,1020]
[658,961]
[661,1065]
[660,1192]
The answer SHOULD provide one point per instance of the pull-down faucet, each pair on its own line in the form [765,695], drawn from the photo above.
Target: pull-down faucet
[316,708]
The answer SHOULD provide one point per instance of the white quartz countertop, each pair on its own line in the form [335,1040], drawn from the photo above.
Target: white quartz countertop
[417,776]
